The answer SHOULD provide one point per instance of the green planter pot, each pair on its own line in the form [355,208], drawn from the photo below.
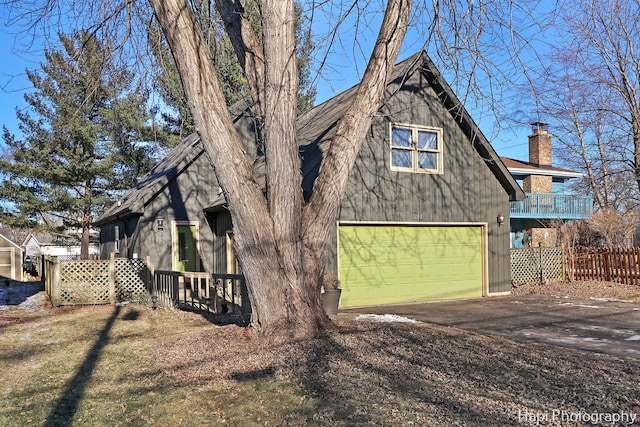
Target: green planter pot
[331,300]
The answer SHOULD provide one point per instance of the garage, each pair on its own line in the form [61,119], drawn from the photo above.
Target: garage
[392,264]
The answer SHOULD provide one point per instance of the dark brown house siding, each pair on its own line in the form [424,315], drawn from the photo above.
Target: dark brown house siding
[221,224]
[176,191]
[473,188]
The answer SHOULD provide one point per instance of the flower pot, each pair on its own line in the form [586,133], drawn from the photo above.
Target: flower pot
[330,301]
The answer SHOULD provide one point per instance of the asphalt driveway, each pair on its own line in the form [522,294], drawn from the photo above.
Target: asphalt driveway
[607,327]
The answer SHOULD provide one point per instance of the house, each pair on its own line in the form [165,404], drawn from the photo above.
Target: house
[162,217]
[422,218]
[44,244]
[534,220]
[11,259]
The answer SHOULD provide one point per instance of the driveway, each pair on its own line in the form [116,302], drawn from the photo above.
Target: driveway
[607,327]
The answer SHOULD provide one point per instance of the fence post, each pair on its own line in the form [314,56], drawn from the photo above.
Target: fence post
[634,266]
[150,269]
[607,264]
[151,282]
[541,263]
[55,284]
[112,278]
[564,264]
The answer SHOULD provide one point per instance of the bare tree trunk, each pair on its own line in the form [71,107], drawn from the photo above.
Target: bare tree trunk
[331,184]
[281,247]
[86,226]
[247,49]
[253,229]
[84,240]
[636,148]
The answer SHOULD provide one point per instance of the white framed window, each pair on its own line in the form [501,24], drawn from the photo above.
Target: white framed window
[416,148]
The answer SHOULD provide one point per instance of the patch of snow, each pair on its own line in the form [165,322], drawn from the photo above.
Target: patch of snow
[26,296]
[610,299]
[391,318]
[613,331]
[580,305]
[633,338]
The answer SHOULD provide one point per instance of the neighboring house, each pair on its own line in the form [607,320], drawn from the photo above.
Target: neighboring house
[41,244]
[11,259]
[534,220]
[421,219]
[33,245]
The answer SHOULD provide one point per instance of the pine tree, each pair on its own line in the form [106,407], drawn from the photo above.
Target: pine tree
[84,139]
[178,119]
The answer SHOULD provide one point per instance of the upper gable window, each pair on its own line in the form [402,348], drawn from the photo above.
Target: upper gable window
[416,148]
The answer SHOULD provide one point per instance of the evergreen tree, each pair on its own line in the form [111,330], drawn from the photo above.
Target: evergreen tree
[178,119]
[84,139]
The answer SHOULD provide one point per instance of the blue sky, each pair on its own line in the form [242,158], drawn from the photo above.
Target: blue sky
[14,84]
[13,81]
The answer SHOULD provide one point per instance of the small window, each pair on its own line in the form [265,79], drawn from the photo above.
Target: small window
[416,148]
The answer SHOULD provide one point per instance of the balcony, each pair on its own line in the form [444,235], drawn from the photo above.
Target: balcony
[552,206]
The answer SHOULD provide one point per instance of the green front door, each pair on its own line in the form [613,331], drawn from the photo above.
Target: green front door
[185,248]
[382,264]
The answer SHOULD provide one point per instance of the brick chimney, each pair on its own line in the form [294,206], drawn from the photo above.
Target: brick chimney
[540,145]
[539,155]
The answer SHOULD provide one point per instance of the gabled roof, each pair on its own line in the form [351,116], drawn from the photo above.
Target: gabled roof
[176,161]
[468,125]
[12,243]
[317,126]
[30,236]
[134,200]
[519,167]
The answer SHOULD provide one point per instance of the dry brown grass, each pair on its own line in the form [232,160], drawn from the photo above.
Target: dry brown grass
[135,366]
[582,290]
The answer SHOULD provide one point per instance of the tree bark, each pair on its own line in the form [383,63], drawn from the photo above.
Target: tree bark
[85,225]
[246,47]
[253,233]
[282,248]
[351,130]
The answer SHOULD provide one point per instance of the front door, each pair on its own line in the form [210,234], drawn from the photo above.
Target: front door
[185,248]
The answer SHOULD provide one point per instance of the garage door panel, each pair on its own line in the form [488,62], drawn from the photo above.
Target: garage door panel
[399,264]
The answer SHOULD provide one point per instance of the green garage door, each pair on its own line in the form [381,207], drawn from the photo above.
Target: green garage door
[400,264]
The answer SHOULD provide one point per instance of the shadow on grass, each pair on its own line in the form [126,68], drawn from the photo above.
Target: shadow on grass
[13,293]
[62,414]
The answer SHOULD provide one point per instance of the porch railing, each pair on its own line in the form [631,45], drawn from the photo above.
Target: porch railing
[213,293]
[552,206]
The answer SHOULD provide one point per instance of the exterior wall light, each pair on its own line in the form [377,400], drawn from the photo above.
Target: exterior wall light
[500,219]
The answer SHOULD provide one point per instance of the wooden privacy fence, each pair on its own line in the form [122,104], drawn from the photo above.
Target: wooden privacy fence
[605,264]
[73,282]
[529,265]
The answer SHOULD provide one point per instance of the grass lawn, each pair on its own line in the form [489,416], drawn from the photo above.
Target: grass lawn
[110,366]
[95,366]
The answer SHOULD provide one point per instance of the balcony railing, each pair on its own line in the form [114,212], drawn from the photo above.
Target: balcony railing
[552,206]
